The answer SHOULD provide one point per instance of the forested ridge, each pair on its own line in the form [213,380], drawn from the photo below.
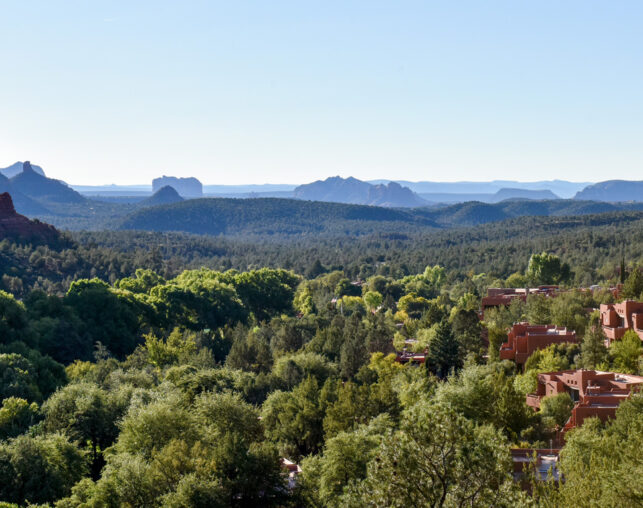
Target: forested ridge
[165,369]
[594,244]
[293,217]
[272,216]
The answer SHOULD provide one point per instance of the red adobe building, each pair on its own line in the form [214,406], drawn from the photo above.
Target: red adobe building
[523,339]
[619,317]
[595,393]
[411,357]
[497,297]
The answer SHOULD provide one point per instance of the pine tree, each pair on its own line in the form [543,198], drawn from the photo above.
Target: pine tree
[633,287]
[443,351]
[593,350]
[353,353]
[622,274]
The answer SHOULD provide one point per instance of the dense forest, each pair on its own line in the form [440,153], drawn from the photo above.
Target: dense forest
[593,245]
[157,369]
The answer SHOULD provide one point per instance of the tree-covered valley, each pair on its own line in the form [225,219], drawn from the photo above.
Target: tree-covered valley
[166,369]
[321,254]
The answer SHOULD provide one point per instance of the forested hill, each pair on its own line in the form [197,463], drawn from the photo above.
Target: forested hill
[474,212]
[272,216]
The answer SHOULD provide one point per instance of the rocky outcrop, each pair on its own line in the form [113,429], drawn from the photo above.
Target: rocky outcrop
[17,167]
[393,195]
[352,190]
[186,187]
[16,226]
[7,211]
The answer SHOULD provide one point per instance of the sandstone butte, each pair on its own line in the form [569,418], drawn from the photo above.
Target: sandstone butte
[16,226]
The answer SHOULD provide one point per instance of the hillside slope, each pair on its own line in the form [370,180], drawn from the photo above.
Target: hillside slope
[274,216]
[164,196]
[23,204]
[268,216]
[474,212]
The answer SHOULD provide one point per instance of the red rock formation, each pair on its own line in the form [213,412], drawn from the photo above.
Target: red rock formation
[6,205]
[14,225]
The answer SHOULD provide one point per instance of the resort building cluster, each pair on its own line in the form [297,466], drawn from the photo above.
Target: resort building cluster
[595,394]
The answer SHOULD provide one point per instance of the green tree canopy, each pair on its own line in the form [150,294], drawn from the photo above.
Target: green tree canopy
[626,353]
[633,286]
[437,458]
[41,469]
[108,317]
[545,268]
[16,416]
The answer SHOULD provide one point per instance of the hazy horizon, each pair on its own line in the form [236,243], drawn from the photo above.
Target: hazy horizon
[236,184]
[236,94]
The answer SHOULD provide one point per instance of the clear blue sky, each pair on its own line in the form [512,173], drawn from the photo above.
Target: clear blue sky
[288,92]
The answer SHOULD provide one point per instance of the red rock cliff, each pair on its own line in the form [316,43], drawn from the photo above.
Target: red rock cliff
[14,225]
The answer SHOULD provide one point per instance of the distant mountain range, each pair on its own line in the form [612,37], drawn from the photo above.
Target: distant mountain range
[334,204]
[561,188]
[351,190]
[392,194]
[32,193]
[402,193]
[613,191]
[426,192]
[16,167]
[496,197]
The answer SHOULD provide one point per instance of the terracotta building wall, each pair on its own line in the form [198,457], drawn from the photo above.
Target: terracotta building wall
[524,339]
[617,318]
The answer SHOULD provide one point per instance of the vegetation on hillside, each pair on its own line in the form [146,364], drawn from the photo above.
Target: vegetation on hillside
[161,386]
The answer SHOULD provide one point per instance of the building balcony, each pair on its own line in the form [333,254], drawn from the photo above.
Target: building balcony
[614,333]
[533,400]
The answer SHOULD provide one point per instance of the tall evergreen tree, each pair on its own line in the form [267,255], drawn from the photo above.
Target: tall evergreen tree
[633,286]
[593,350]
[353,353]
[444,351]
[622,274]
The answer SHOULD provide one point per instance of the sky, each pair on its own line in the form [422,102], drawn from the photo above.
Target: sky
[241,92]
